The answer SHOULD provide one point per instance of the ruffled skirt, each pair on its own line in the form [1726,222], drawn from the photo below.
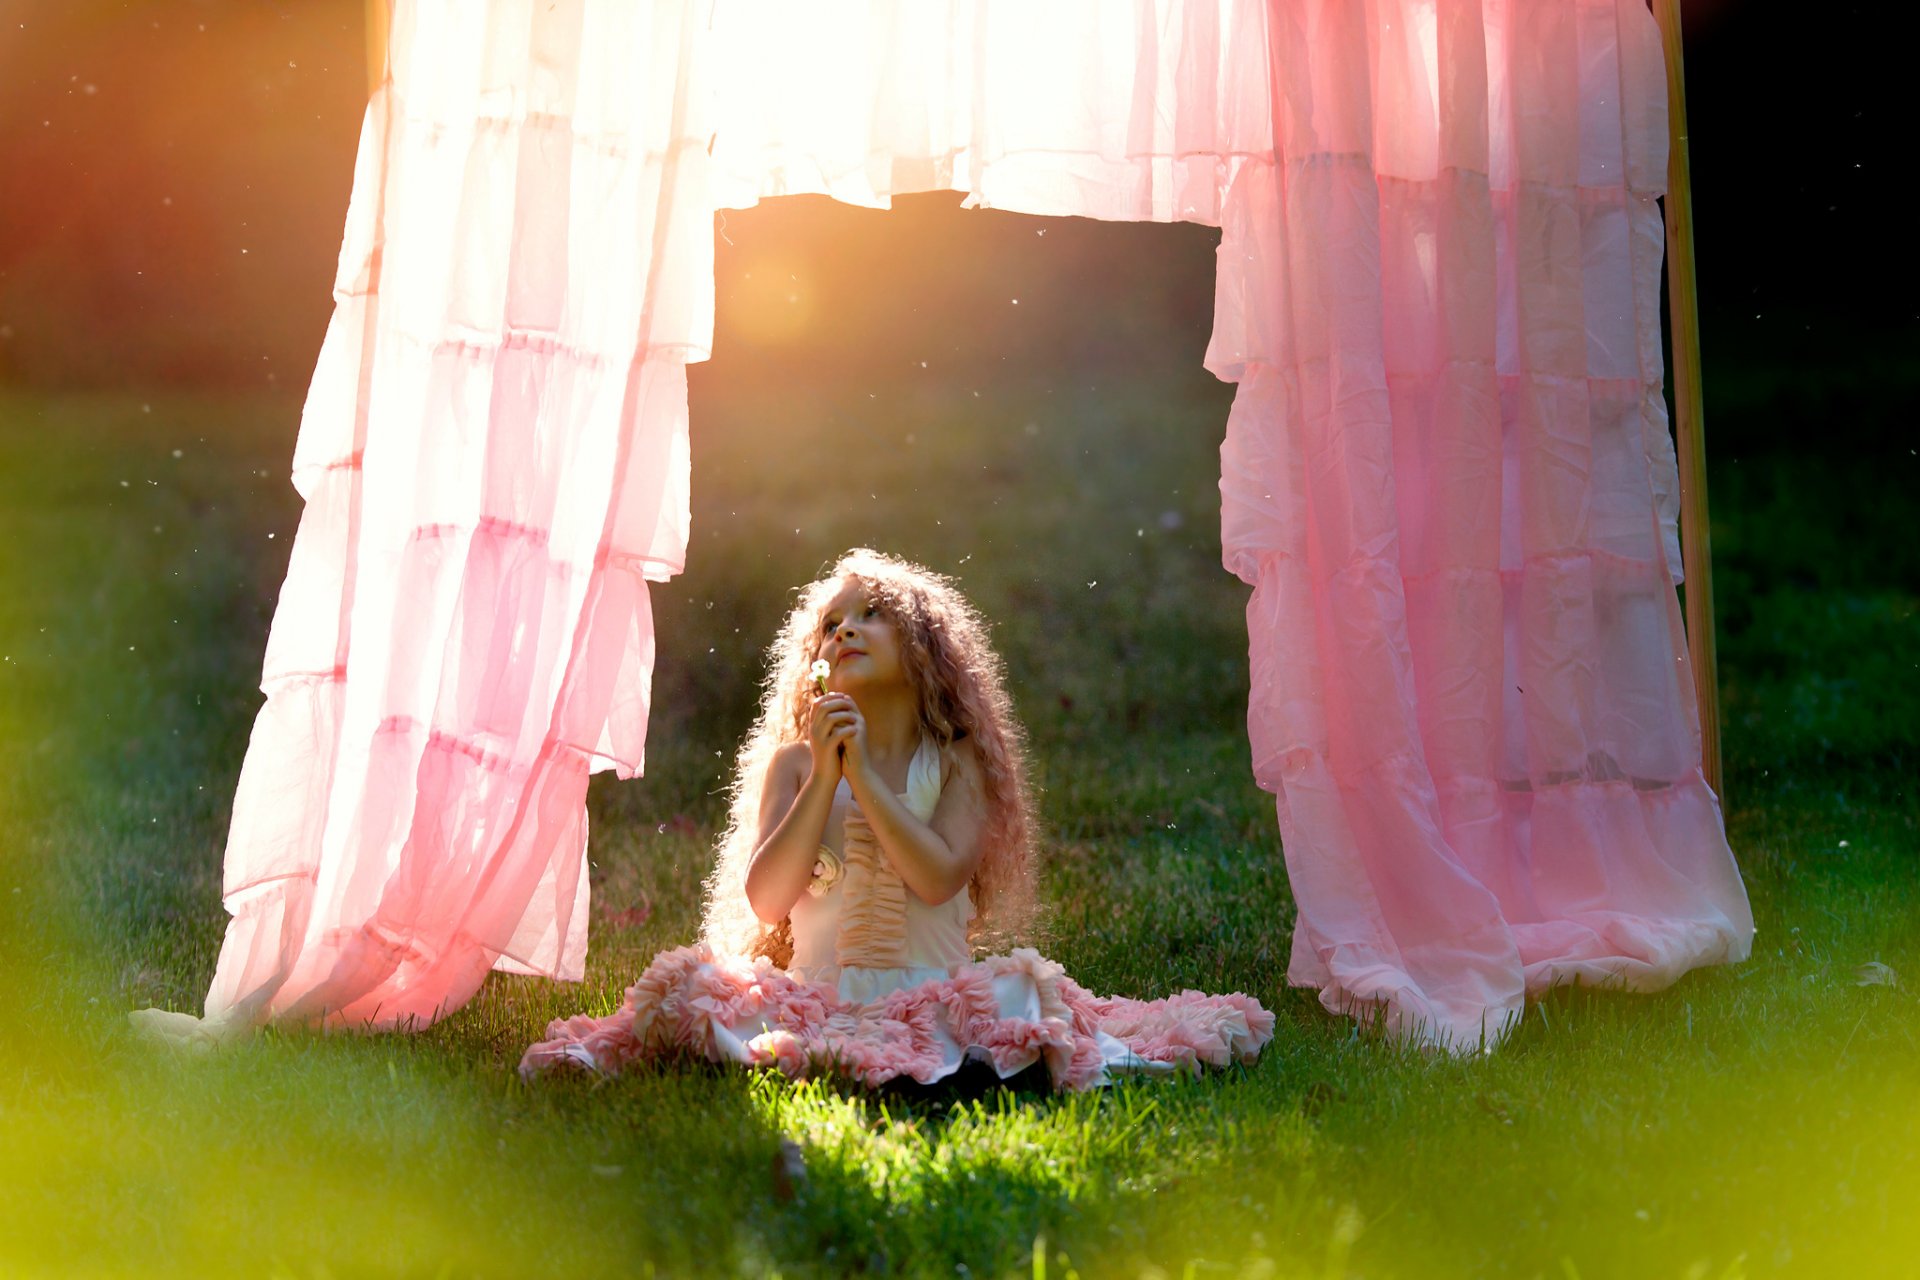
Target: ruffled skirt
[1008,1011]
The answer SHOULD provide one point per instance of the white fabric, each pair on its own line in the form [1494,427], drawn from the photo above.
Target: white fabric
[936,932]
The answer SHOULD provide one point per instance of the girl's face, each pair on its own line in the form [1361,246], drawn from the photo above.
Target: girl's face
[859,643]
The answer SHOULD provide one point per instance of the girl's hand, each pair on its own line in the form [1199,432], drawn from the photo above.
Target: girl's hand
[834,719]
[850,735]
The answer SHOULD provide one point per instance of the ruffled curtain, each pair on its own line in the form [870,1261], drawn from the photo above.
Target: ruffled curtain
[1447,477]
[1446,473]
[494,460]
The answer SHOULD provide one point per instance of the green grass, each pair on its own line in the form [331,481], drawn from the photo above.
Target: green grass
[1758,1120]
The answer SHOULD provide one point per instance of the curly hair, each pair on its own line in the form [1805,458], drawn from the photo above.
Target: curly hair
[962,693]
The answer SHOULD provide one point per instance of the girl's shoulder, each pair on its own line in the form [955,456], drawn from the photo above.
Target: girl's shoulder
[789,758]
[958,759]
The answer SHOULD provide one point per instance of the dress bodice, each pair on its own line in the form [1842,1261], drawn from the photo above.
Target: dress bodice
[867,933]
[913,1005]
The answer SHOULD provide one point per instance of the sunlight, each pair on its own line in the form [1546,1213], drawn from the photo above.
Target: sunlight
[771,302]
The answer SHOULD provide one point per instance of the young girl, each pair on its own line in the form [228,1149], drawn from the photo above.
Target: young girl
[881,830]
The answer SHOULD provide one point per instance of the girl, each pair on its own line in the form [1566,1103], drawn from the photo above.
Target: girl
[881,830]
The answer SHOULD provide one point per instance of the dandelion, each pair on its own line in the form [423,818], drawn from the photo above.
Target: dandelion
[820,673]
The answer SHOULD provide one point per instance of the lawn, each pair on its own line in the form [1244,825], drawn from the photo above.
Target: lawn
[1756,1120]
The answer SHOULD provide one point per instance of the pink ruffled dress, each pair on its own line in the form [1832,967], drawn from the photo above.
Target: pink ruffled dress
[882,986]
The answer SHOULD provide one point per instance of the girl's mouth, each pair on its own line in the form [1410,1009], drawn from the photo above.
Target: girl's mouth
[848,653]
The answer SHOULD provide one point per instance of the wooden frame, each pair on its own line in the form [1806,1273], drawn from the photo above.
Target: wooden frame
[1683,324]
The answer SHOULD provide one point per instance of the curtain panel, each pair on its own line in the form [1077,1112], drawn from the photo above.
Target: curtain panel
[1449,480]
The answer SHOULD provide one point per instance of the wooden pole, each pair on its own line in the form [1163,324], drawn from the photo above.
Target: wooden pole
[1683,315]
[376,44]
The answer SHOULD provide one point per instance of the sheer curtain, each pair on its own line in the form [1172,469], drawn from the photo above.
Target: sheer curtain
[1447,477]
[1446,473]
[494,460]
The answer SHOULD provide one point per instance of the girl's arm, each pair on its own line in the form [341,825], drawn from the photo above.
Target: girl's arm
[936,859]
[794,806]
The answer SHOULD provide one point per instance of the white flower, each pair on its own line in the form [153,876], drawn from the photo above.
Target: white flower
[820,673]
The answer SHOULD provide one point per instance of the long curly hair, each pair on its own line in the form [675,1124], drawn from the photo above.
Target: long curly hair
[962,693]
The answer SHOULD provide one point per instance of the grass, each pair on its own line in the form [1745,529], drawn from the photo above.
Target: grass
[1757,1120]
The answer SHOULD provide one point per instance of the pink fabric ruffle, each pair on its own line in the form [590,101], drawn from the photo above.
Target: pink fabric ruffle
[1191,1028]
[873,923]
[1012,1011]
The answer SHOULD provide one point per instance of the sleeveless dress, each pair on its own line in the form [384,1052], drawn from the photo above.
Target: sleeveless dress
[883,985]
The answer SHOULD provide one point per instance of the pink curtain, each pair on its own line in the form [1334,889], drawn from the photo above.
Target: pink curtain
[1446,473]
[1447,477]
[494,460]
